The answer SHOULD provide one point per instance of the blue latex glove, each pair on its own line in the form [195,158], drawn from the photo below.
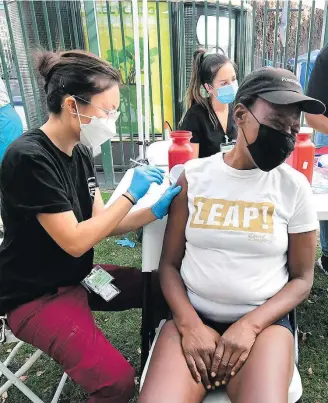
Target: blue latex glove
[126,242]
[143,177]
[161,208]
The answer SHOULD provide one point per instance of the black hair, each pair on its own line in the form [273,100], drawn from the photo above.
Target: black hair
[205,68]
[74,72]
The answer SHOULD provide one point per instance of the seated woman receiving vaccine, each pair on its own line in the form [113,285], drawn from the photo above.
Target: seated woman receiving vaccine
[238,257]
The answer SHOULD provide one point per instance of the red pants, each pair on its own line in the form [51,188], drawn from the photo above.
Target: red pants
[63,327]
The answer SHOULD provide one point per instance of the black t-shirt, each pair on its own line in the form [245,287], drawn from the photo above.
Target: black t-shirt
[36,177]
[318,83]
[209,138]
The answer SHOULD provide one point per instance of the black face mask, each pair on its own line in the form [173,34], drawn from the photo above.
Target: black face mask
[271,148]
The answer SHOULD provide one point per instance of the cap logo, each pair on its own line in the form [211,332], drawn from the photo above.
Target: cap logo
[290,80]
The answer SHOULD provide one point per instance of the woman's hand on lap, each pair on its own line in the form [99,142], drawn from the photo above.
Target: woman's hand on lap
[199,345]
[232,351]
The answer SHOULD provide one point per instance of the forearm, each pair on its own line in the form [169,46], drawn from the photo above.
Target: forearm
[317,122]
[294,292]
[184,314]
[134,221]
[88,233]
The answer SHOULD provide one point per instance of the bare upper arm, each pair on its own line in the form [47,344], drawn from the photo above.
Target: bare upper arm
[311,120]
[317,122]
[98,204]
[301,255]
[174,239]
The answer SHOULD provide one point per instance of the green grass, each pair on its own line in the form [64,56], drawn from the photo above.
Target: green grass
[312,319]
[123,330]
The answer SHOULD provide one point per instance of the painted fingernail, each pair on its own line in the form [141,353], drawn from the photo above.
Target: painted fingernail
[209,387]
[213,374]
[217,384]
[233,373]
[224,382]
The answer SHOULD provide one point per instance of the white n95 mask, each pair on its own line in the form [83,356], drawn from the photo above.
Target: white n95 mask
[97,132]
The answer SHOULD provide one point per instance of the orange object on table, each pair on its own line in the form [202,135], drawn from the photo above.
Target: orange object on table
[302,158]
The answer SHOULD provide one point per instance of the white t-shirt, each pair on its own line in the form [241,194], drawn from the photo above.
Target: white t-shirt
[237,234]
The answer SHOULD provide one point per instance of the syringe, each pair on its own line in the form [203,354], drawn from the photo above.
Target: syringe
[168,176]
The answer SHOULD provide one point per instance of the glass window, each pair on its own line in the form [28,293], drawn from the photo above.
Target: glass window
[223,39]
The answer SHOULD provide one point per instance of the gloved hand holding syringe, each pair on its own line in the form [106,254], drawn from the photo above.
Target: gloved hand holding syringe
[160,208]
[168,176]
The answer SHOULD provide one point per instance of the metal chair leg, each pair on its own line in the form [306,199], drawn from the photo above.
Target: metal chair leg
[59,388]
[24,368]
[146,322]
[14,379]
[293,322]
[12,355]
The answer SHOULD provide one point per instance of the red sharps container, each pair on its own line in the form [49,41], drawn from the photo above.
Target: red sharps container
[302,158]
[180,151]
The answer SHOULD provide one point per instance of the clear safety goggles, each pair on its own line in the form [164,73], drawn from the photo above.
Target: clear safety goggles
[111,114]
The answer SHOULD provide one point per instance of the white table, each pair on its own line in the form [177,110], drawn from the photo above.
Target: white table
[154,193]
[321,206]
[153,233]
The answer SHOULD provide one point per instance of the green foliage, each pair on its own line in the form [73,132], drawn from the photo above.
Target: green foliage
[118,58]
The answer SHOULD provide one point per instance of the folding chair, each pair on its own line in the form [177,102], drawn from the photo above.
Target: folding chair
[151,250]
[13,378]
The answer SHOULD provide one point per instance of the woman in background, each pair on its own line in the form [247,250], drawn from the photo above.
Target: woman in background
[210,118]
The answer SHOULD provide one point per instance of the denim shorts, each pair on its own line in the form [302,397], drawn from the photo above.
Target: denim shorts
[222,327]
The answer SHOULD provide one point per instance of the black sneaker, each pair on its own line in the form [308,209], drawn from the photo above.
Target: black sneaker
[323,264]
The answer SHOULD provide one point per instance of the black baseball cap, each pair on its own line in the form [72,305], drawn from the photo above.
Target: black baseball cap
[279,87]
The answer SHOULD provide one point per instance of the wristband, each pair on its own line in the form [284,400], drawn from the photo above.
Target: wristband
[130,199]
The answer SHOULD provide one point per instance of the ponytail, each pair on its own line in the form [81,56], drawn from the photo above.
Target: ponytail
[205,68]
[193,92]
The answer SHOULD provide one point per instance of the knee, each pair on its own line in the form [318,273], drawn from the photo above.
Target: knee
[124,385]
[119,387]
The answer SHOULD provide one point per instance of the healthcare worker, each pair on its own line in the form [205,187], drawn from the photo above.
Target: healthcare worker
[210,117]
[54,215]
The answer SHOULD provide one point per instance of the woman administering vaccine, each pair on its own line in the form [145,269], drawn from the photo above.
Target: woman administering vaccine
[54,215]
[210,118]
